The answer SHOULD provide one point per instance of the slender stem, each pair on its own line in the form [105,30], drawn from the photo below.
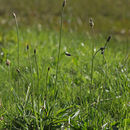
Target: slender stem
[32,94]
[46,82]
[9,73]
[92,63]
[81,87]
[59,49]
[17,30]
[37,79]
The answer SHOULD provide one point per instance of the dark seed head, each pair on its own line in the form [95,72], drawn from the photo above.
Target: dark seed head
[64,3]
[34,51]
[48,68]
[67,54]
[102,52]
[102,48]
[109,38]
[27,47]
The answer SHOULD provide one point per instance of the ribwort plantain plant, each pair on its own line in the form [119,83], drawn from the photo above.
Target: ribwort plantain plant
[17,30]
[91,23]
[102,50]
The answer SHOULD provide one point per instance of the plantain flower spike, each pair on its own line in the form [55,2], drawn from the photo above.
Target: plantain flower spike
[35,51]
[27,47]
[109,38]
[64,3]
[91,23]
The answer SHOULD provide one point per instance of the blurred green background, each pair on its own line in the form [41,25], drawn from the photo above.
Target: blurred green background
[110,16]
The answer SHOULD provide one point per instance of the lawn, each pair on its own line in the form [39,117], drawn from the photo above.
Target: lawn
[58,78]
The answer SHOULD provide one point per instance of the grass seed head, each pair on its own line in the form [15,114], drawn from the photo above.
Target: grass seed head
[35,51]
[67,54]
[64,3]
[8,62]
[91,23]
[102,48]
[102,52]
[48,68]
[109,38]
[27,47]
[14,14]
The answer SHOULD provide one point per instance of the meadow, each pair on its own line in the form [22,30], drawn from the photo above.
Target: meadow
[64,76]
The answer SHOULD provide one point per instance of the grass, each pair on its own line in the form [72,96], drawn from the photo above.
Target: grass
[78,89]
[106,106]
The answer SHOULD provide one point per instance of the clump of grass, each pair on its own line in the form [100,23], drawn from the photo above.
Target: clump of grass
[96,112]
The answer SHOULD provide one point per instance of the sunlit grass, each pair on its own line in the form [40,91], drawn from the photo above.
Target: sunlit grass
[106,106]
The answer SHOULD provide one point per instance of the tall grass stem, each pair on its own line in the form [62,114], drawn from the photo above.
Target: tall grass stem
[46,82]
[59,48]
[17,30]
[92,62]
[37,78]
[32,90]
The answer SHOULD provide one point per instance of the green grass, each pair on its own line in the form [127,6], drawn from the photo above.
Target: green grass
[108,102]
[77,80]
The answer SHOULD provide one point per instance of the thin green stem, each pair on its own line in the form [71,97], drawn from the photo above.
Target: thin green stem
[59,48]
[17,30]
[81,87]
[32,93]
[46,82]
[37,79]
[92,63]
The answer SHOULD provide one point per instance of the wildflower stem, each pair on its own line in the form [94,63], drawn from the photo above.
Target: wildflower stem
[17,30]
[32,93]
[16,22]
[46,81]
[37,77]
[92,63]
[59,48]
